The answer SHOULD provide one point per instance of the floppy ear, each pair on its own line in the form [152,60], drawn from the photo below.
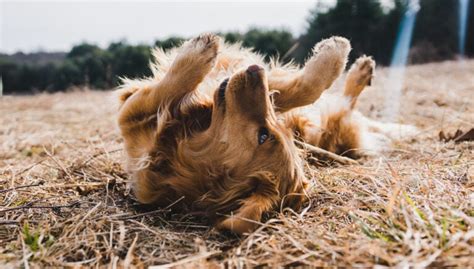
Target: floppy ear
[264,197]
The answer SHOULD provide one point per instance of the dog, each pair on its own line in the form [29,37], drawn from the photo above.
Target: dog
[215,127]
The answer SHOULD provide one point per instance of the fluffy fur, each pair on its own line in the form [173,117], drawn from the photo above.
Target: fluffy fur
[227,148]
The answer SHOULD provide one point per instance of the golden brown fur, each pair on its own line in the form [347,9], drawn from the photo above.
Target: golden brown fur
[335,130]
[228,150]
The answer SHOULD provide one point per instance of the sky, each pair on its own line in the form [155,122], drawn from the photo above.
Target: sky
[30,26]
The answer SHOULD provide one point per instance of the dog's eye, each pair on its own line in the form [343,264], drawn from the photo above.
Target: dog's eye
[263,135]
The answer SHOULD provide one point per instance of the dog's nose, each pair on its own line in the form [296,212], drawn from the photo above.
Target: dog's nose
[254,69]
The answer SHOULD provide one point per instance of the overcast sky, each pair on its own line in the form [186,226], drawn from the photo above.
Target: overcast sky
[56,26]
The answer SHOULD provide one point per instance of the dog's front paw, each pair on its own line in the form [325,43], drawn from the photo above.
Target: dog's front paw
[195,59]
[328,61]
[237,225]
[202,50]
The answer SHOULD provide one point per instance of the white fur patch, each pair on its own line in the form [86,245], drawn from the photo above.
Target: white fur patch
[374,136]
[326,105]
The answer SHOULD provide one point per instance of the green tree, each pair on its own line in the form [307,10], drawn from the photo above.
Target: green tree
[232,37]
[470,30]
[169,43]
[93,63]
[9,72]
[435,35]
[361,21]
[270,43]
[67,74]
[129,61]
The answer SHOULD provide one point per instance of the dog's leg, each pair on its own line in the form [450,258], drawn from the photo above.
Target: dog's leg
[249,215]
[341,132]
[311,138]
[337,130]
[359,76]
[194,61]
[295,89]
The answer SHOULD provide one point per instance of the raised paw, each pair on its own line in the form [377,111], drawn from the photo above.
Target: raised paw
[321,70]
[359,76]
[328,61]
[202,49]
[362,71]
[194,61]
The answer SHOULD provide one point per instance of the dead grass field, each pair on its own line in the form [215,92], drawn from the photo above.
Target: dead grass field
[64,200]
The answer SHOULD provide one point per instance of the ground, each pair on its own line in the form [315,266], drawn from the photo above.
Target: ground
[64,200]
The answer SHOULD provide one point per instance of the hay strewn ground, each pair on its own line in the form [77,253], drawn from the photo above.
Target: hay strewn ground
[64,200]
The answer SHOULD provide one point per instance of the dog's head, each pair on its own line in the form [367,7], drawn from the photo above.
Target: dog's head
[251,148]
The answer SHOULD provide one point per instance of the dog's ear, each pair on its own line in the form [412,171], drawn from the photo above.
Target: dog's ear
[248,216]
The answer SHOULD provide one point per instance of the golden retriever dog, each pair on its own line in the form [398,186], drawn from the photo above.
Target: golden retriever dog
[215,127]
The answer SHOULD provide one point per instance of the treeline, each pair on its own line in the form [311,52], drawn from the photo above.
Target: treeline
[91,66]
[371,27]
[373,30]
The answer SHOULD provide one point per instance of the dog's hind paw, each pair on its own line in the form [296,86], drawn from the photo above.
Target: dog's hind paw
[359,76]
[362,71]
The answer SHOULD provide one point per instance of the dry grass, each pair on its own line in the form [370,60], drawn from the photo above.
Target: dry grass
[64,200]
